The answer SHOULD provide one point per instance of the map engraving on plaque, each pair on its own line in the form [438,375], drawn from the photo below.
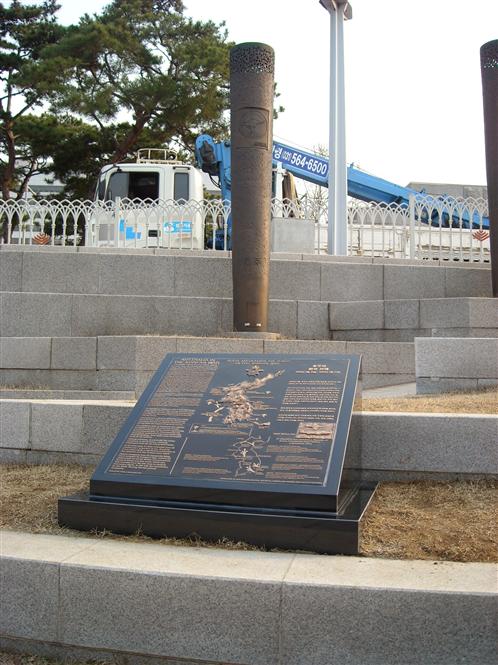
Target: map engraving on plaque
[265,419]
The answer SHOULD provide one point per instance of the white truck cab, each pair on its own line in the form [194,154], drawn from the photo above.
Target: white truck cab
[168,190]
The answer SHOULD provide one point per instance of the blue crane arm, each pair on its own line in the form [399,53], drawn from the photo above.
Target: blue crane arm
[315,169]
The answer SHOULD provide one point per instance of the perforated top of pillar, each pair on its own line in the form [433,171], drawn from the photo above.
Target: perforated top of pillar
[252,58]
[489,55]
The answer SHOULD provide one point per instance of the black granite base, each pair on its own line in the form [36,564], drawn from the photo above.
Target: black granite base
[327,533]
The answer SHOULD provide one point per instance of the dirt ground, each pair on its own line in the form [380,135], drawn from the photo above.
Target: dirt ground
[449,521]
[482,401]
[25,659]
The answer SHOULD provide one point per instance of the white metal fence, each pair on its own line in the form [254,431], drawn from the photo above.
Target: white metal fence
[429,228]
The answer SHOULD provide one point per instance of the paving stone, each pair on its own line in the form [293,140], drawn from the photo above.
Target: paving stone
[207,277]
[413,282]
[66,272]
[300,346]
[445,313]
[29,598]
[25,352]
[342,281]
[325,258]
[101,423]
[187,316]
[334,572]
[463,332]
[401,314]
[452,443]
[236,621]
[218,345]
[385,357]
[145,315]
[117,352]
[100,315]
[470,282]
[11,271]
[300,278]
[116,379]
[406,334]
[381,380]
[74,353]
[288,256]
[124,274]
[427,386]
[40,547]
[449,357]
[41,457]
[12,456]
[282,318]
[35,315]
[396,627]
[47,379]
[356,315]
[486,383]
[313,320]
[142,380]
[151,350]
[14,424]
[359,335]
[484,313]
[56,426]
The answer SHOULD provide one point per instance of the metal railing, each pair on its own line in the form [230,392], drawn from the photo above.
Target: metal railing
[429,228]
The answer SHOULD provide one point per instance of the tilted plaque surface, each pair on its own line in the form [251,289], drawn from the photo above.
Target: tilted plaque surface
[237,428]
[244,447]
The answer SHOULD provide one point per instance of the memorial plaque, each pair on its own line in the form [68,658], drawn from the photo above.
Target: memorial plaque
[228,434]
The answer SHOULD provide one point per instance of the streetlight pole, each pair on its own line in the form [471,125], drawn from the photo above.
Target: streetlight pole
[337,240]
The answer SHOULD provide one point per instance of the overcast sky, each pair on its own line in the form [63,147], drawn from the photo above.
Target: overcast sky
[413,82]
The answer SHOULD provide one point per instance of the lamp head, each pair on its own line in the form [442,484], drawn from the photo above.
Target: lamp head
[333,5]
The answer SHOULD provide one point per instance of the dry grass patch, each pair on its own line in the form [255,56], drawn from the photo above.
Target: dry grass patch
[452,521]
[482,401]
[28,494]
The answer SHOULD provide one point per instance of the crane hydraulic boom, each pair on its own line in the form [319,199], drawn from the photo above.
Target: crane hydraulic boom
[214,158]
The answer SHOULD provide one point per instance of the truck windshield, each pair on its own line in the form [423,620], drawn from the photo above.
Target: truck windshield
[133,185]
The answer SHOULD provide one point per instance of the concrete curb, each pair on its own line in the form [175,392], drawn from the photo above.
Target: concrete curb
[186,273]
[445,364]
[110,363]
[404,319]
[394,445]
[234,607]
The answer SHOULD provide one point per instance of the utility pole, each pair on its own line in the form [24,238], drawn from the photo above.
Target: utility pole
[337,241]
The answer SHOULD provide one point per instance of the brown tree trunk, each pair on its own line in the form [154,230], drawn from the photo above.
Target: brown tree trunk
[129,141]
[8,173]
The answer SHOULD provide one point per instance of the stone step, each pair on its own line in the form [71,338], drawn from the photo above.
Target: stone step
[295,277]
[80,315]
[394,445]
[76,599]
[445,364]
[40,394]
[403,320]
[126,363]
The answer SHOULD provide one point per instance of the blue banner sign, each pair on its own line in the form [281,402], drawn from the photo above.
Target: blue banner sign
[178,227]
[297,160]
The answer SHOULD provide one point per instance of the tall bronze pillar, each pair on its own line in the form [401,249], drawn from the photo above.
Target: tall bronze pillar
[489,72]
[251,100]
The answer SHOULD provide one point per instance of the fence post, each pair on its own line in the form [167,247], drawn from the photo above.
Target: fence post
[117,217]
[412,226]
